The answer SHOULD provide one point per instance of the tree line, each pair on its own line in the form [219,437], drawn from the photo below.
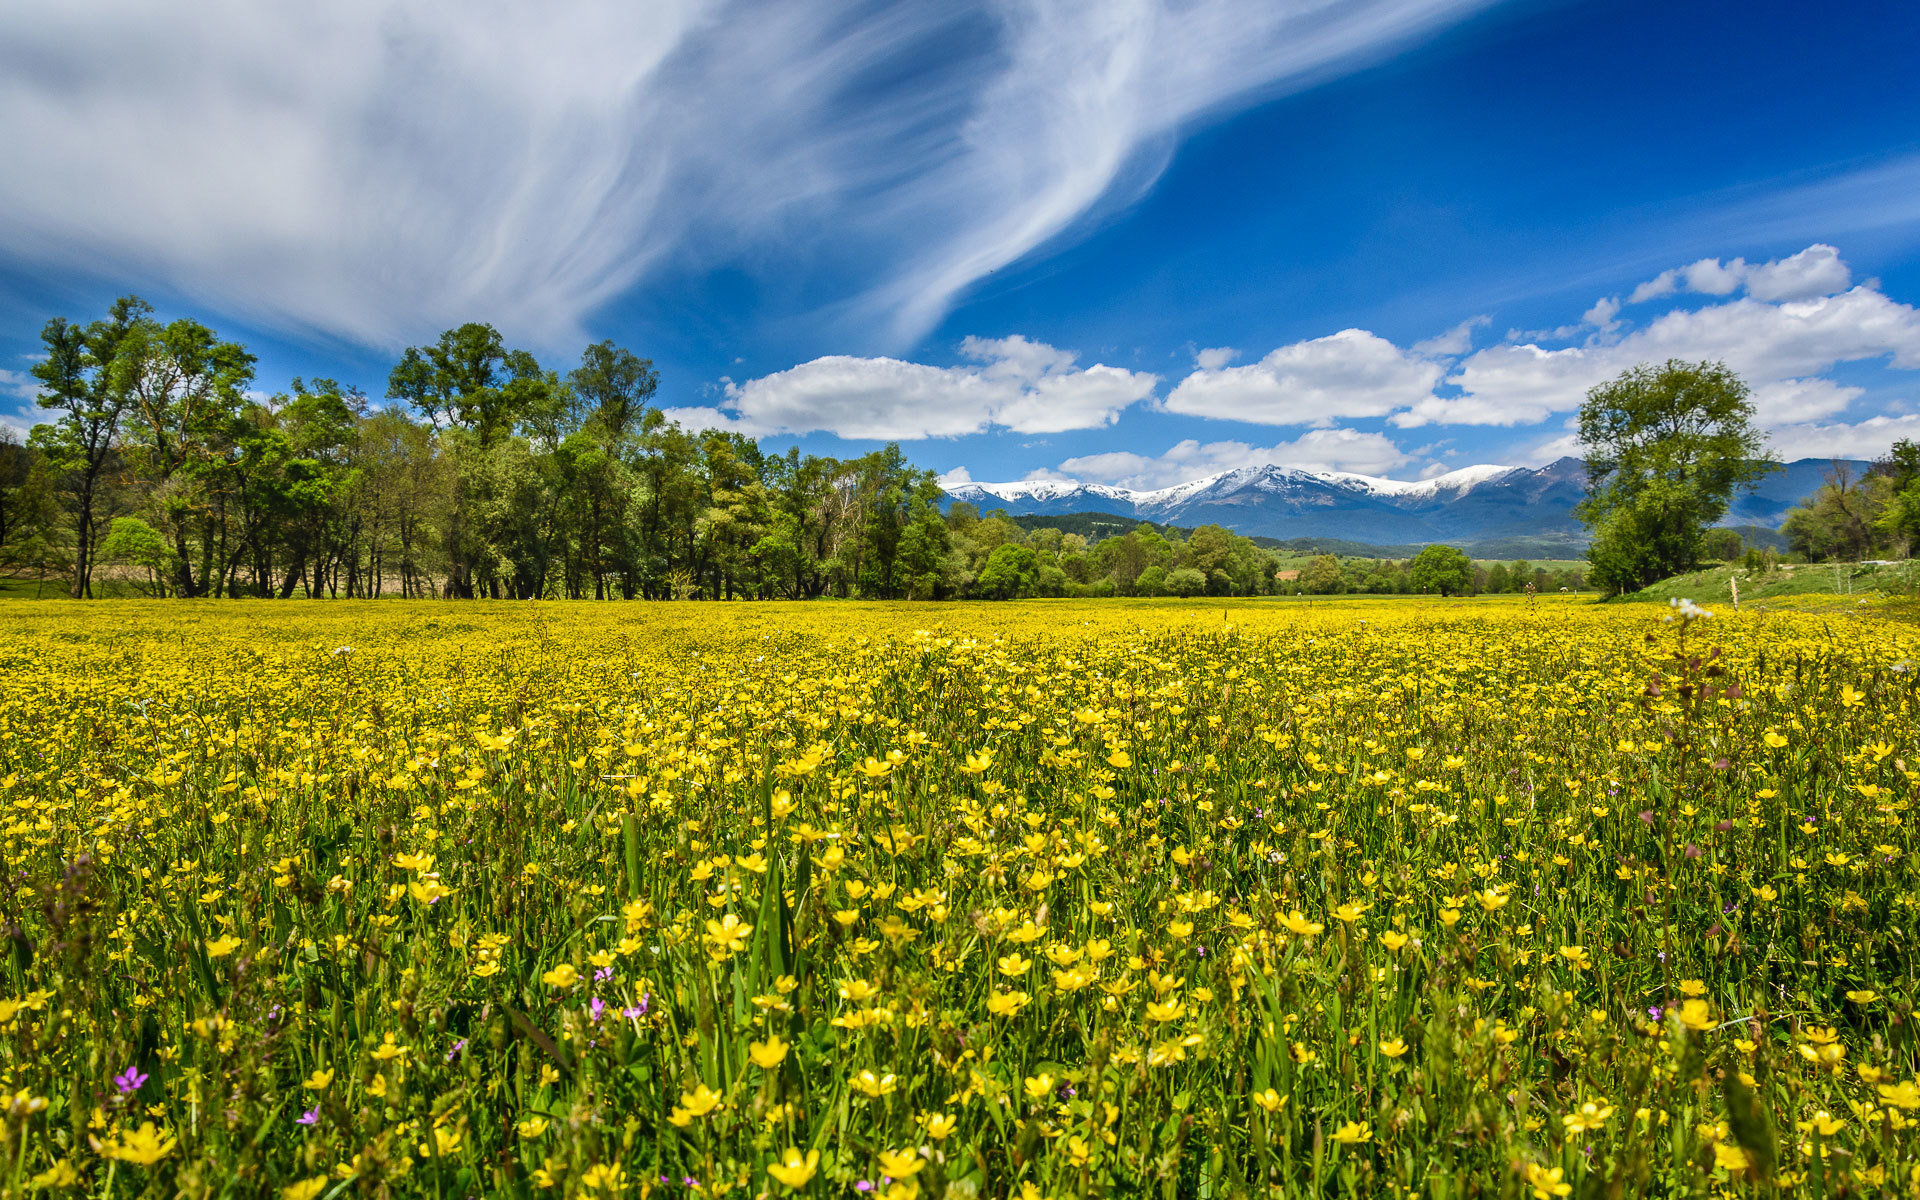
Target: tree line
[493,475]
[1851,518]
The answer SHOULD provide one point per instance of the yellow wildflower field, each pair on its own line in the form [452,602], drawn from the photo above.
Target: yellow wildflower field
[1036,900]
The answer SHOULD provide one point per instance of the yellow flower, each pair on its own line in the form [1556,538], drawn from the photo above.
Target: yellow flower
[306,1189]
[901,1164]
[1493,900]
[700,1101]
[1696,1014]
[729,934]
[1354,1133]
[1119,760]
[1904,1095]
[1270,1100]
[1692,987]
[221,947]
[1002,1004]
[602,1177]
[1393,940]
[563,976]
[1394,1048]
[794,1170]
[1867,996]
[388,1049]
[1588,1117]
[1732,1158]
[1547,1183]
[768,1054]
[532,1127]
[1351,911]
[60,1175]
[318,1081]
[874,1086]
[939,1125]
[1013,964]
[144,1146]
[1172,1010]
[1296,923]
[1773,739]
[1825,1125]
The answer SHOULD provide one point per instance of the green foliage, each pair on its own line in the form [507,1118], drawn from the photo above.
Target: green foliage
[1844,519]
[1322,576]
[1666,448]
[1443,569]
[1186,582]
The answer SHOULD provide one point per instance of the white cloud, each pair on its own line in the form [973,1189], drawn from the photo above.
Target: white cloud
[1315,450]
[1026,386]
[1815,271]
[1352,373]
[954,478]
[1457,340]
[1781,350]
[377,169]
[18,384]
[1601,315]
[1214,358]
[1862,439]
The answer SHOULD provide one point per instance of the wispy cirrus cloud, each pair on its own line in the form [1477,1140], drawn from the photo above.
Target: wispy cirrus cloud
[377,170]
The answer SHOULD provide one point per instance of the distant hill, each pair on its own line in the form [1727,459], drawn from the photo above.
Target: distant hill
[1509,511]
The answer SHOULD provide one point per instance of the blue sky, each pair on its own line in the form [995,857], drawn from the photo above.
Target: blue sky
[1135,242]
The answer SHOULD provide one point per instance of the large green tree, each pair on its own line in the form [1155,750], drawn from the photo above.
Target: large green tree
[1666,448]
[1443,569]
[89,401]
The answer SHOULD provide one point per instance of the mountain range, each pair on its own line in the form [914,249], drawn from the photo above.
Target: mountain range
[1465,507]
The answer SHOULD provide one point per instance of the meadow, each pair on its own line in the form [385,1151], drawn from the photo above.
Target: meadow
[1396,898]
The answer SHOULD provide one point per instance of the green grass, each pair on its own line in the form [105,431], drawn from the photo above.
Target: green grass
[1712,586]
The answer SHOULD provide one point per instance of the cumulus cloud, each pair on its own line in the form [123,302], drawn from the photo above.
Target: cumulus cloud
[1014,383]
[1815,271]
[1796,323]
[1315,450]
[1781,350]
[1214,358]
[1861,439]
[1352,373]
[373,169]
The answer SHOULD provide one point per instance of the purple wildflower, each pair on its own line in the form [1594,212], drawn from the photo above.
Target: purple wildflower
[603,974]
[457,1048]
[310,1117]
[596,1010]
[130,1082]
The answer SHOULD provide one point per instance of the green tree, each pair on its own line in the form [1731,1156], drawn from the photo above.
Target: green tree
[1321,576]
[81,444]
[1900,468]
[1443,569]
[1843,519]
[186,391]
[1720,544]
[1186,582]
[1009,572]
[1666,447]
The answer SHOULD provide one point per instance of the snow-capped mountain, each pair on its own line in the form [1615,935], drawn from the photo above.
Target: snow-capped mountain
[1473,504]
